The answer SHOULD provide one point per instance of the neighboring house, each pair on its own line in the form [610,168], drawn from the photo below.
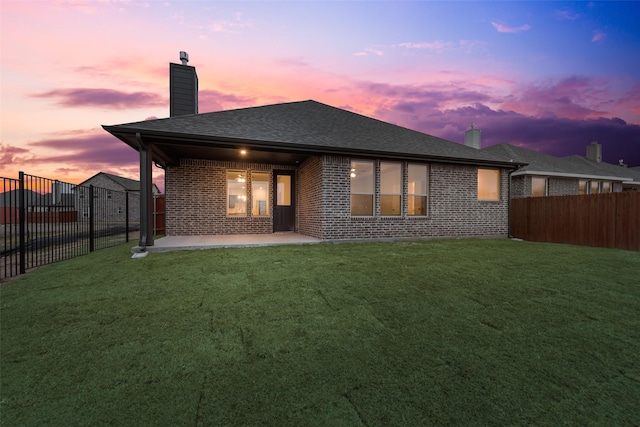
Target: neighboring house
[317,170]
[545,175]
[111,193]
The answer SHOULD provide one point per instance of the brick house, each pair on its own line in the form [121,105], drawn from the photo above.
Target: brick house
[545,175]
[114,189]
[314,169]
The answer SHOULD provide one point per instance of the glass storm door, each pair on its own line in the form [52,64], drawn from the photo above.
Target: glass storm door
[284,216]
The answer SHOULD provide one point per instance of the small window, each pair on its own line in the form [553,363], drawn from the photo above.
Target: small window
[538,186]
[236,193]
[260,194]
[417,190]
[81,193]
[283,194]
[594,188]
[109,194]
[119,210]
[362,179]
[582,187]
[390,189]
[488,184]
[606,187]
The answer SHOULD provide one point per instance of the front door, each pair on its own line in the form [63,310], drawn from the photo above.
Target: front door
[284,215]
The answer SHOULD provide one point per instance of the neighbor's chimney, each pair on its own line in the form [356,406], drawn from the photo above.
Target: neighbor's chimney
[183,88]
[472,137]
[594,152]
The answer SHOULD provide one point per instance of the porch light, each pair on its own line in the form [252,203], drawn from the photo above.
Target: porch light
[243,152]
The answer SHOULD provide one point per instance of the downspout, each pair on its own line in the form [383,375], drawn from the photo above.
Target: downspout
[509,205]
[509,236]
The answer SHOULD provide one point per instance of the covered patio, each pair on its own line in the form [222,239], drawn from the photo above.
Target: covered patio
[182,243]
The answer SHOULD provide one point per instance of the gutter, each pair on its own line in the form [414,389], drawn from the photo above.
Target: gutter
[511,172]
[572,175]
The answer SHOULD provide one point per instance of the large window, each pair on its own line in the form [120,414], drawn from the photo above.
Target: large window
[488,184]
[606,186]
[236,193]
[390,188]
[259,194]
[594,188]
[417,190]
[538,186]
[362,185]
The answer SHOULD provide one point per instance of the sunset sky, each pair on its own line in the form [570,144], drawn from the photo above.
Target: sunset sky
[549,76]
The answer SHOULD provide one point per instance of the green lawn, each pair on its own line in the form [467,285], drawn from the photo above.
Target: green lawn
[487,332]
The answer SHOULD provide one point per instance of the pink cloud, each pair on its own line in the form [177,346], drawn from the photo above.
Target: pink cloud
[598,36]
[566,15]
[103,98]
[571,97]
[504,28]
[552,135]
[213,100]
[10,154]
[434,45]
[369,51]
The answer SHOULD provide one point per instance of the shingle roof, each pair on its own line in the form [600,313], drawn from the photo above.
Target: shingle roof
[544,163]
[126,183]
[303,125]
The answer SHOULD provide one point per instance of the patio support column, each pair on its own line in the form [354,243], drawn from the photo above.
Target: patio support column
[146,192]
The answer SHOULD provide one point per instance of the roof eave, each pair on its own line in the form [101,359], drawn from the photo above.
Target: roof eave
[127,135]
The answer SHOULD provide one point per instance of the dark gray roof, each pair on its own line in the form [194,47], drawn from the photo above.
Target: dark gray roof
[125,183]
[305,126]
[544,163]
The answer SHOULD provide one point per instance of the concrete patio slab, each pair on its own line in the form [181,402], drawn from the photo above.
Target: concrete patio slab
[181,243]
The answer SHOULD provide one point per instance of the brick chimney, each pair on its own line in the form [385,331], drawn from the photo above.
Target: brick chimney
[472,137]
[594,152]
[183,88]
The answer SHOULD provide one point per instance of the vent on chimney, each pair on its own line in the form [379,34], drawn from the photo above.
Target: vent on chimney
[184,57]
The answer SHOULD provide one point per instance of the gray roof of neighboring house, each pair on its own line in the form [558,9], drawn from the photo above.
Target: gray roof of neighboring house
[307,127]
[126,183]
[545,164]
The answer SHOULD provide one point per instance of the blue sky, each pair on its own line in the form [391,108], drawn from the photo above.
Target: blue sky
[549,76]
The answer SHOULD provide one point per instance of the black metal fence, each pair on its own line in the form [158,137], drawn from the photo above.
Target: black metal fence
[44,221]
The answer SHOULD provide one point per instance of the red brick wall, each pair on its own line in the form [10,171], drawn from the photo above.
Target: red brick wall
[454,209]
[196,203]
[309,206]
[196,194]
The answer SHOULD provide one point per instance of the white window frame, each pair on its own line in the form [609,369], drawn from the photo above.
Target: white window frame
[425,195]
[353,172]
[584,191]
[393,194]
[254,192]
[489,199]
[546,186]
[238,176]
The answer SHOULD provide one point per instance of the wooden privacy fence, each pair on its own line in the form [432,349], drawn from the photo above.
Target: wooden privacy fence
[610,220]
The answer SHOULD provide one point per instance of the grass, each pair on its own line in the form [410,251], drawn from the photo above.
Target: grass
[486,332]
